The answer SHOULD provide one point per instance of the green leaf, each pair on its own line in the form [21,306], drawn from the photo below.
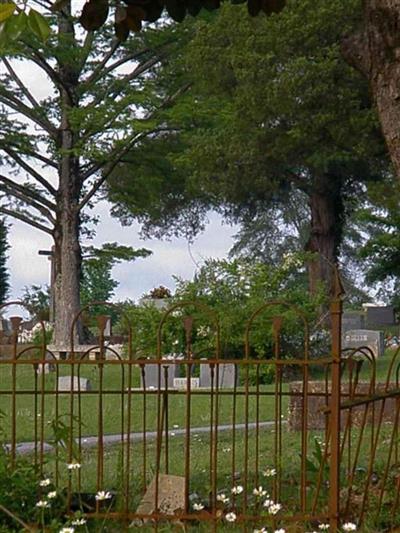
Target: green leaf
[15,26]
[39,25]
[6,10]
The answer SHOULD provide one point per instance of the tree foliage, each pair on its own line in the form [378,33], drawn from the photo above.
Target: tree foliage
[273,117]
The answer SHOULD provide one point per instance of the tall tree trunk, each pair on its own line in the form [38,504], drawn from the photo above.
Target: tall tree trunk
[67,254]
[325,230]
[375,51]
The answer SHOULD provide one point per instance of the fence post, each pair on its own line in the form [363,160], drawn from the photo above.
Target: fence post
[336,309]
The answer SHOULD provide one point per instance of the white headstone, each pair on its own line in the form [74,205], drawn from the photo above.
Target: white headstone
[227,375]
[181,383]
[151,375]
[358,338]
[66,384]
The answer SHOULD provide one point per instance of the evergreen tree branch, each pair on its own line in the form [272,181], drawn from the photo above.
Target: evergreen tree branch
[23,218]
[98,70]
[10,100]
[41,62]
[26,191]
[115,160]
[18,81]
[35,175]
[36,155]
[27,200]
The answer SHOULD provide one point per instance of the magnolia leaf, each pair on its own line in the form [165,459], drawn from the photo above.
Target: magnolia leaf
[15,26]
[134,17]
[121,30]
[39,25]
[94,14]
[6,10]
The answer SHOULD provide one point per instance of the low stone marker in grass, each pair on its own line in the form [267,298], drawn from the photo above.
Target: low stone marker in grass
[66,384]
[171,496]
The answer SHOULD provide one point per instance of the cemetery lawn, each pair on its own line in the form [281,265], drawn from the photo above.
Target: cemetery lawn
[114,404]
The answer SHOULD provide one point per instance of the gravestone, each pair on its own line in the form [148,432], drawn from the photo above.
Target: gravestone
[358,338]
[65,384]
[227,376]
[380,316]
[171,496]
[353,320]
[181,383]
[151,375]
[46,368]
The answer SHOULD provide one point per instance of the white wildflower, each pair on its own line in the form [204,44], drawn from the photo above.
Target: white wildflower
[268,503]
[262,530]
[269,472]
[230,517]
[281,530]
[349,526]
[43,504]
[103,495]
[222,498]
[260,492]
[79,522]
[52,494]
[323,527]
[44,482]
[74,466]
[274,508]
[67,530]
[198,506]
[237,490]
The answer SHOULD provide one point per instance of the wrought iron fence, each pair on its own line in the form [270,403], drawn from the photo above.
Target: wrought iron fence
[203,440]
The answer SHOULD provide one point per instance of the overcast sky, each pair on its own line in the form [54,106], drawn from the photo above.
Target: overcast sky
[169,257]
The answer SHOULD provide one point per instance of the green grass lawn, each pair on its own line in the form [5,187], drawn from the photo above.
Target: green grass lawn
[115,405]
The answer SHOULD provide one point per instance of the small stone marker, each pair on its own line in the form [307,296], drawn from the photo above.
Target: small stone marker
[181,383]
[151,375]
[171,496]
[227,376]
[357,338]
[65,385]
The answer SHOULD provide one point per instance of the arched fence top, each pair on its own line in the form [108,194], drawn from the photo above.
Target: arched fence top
[188,325]
[101,325]
[277,322]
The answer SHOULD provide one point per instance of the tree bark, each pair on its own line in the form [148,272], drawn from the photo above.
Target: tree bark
[375,51]
[326,206]
[67,249]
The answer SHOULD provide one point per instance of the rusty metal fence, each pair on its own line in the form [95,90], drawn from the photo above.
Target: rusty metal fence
[202,441]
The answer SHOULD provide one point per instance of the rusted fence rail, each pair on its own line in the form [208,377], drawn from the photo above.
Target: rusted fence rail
[290,440]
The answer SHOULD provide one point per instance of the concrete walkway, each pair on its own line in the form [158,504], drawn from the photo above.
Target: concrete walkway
[110,440]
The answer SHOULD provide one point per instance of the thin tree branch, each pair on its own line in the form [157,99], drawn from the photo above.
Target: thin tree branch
[26,191]
[38,156]
[20,84]
[25,219]
[15,103]
[35,175]
[97,71]
[41,62]
[24,198]
[115,159]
